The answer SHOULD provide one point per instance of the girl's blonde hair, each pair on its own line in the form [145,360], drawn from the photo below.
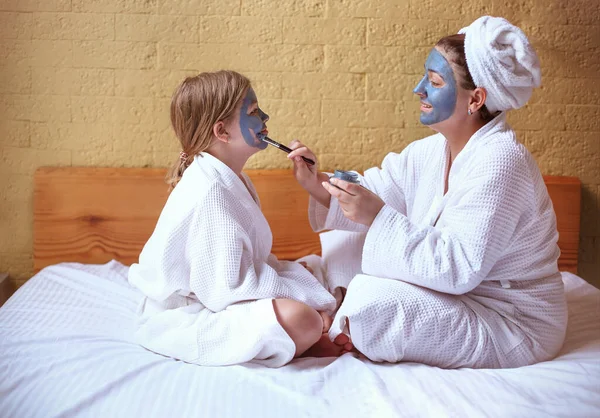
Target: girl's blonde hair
[197,104]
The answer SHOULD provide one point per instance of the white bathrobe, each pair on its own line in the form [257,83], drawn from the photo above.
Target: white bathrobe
[209,276]
[468,278]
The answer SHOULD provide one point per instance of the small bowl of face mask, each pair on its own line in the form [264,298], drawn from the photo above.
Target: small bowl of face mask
[348,176]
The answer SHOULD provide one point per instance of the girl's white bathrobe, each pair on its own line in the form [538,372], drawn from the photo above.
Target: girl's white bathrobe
[466,278]
[209,276]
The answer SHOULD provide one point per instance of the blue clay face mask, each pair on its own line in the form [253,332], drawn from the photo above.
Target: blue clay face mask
[438,95]
[252,124]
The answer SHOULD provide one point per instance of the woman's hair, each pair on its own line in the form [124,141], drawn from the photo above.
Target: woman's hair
[454,49]
[197,104]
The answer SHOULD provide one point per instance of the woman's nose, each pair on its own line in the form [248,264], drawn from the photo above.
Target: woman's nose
[420,88]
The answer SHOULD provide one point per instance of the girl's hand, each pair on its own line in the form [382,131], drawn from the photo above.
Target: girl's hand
[308,176]
[358,204]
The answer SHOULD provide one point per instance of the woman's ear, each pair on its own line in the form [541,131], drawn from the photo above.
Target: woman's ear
[477,100]
[220,131]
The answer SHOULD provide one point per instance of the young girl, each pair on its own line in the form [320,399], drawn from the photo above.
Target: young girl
[460,254]
[215,295]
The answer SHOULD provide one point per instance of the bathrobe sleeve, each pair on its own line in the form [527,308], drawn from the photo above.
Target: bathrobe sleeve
[470,236]
[388,182]
[224,267]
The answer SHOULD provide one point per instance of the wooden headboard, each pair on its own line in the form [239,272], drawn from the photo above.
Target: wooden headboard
[93,215]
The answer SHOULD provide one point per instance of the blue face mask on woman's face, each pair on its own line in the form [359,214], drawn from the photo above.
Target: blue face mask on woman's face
[251,124]
[441,97]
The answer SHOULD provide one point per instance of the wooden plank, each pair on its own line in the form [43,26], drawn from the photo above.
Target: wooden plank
[93,215]
[565,193]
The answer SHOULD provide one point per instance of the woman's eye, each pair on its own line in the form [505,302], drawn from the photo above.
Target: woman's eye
[435,84]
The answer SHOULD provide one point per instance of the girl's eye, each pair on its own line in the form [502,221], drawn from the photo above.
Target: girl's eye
[434,84]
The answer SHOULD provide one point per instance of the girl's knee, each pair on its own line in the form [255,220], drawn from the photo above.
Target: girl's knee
[303,324]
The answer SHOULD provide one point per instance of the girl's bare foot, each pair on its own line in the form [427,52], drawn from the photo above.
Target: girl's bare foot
[327,321]
[323,348]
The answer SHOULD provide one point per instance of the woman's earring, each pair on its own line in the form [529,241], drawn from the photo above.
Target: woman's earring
[469,112]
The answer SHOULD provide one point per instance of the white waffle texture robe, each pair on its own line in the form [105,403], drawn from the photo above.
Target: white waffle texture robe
[209,276]
[463,279]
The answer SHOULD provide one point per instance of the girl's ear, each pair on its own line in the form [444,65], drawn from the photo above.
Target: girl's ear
[477,100]
[220,131]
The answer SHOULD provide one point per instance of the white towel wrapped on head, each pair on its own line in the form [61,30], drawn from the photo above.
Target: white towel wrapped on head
[501,60]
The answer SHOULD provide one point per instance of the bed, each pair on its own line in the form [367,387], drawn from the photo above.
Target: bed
[66,346]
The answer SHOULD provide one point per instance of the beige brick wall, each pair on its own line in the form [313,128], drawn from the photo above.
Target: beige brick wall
[87,82]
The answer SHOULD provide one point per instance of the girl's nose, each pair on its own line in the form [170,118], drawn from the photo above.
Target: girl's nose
[263,116]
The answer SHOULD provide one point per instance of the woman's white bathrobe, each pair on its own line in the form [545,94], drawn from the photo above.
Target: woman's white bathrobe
[463,279]
[209,276]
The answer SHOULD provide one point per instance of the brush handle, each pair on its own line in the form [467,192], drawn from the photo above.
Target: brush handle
[286,149]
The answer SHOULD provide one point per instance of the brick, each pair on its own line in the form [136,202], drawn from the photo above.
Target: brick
[72,136]
[15,79]
[293,112]
[50,108]
[82,26]
[415,60]
[431,10]
[49,80]
[368,8]
[14,25]
[97,81]
[308,8]
[583,118]
[267,85]
[583,12]
[545,11]
[362,114]
[134,110]
[144,139]
[410,33]
[346,161]
[114,54]
[148,83]
[561,90]
[51,53]
[36,5]
[20,195]
[15,52]
[115,6]
[538,117]
[342,86]
[312,31]
[15,106]
[358,59]
[153,28]
[552,145]
[199,7]
[562,37]
[72,81]
[27,160]
[18,265]
[210,57]
[393,87]
[241,29]
[89,158]
[15,133]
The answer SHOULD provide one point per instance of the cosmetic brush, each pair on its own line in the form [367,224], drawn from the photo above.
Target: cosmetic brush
[284,148]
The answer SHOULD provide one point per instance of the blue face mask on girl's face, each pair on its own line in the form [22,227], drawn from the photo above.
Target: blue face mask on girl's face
[441,99]
[252,124]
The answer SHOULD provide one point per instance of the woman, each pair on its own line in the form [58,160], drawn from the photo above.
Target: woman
[459,263]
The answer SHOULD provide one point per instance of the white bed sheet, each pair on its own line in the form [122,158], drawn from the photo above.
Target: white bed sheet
[66,349]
